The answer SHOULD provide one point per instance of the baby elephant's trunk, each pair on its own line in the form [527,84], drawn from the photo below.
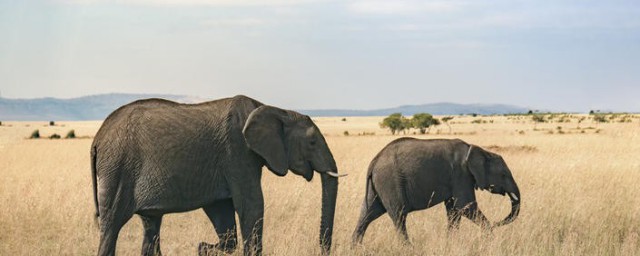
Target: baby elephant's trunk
[515,208]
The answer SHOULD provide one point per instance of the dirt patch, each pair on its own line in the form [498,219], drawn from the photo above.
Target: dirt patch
[511,149]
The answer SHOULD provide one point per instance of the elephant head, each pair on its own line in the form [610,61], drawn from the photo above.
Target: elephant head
[288,140]
[492,174]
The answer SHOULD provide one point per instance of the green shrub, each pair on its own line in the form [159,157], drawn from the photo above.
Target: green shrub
[52,123]
[538,118]
[346,133]
[344,119]
[71,135]
[54,136]
[564,119]
[600,118]
[422,122]
[35,134]
[622,120]
[395,122]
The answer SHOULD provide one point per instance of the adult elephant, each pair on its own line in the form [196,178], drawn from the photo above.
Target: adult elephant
[153,157]
[412,174]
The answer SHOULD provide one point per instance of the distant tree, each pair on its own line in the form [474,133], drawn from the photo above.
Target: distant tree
[406,126]
[422,122]
[435,122]
[71,135]
[393,122]
[35,134]
[530,112]
[446,120]
[52,123]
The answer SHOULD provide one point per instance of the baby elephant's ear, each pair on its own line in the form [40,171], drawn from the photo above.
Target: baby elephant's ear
[264,134]
[476,161]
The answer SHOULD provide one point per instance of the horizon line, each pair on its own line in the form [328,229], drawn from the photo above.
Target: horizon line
[204,99]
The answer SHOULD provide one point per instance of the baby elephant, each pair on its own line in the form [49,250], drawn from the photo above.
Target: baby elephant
[412,174]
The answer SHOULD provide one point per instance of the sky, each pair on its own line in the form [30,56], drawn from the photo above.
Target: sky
[560,55]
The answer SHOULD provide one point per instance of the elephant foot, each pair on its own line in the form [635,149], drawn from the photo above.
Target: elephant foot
[205,249]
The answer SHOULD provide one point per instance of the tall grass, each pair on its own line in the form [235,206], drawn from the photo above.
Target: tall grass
[579,197]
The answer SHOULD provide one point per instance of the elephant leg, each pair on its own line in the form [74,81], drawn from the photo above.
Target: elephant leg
[249,205]
[391,195]
[223,217]
[151,242]
[399,218]
[251,229]
[114,213]
[473,213]
[368,214]
[108,240]
[453,215]
[110,225]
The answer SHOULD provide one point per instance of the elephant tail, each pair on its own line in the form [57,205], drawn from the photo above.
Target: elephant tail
[370,193]
[94,179]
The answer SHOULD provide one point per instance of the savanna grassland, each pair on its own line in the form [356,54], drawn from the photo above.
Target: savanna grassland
[579,185]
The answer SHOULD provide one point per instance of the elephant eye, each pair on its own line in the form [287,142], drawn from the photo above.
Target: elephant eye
[313,142]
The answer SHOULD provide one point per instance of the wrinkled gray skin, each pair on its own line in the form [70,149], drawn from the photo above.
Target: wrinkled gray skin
[412,174]
[153,157]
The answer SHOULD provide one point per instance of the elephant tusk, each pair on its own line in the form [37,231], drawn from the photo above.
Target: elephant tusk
[336,175]
[513,195]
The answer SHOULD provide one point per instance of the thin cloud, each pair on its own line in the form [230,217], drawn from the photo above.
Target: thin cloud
[403,27]
[402,7]
[459,14]
[189,2]
[240,22]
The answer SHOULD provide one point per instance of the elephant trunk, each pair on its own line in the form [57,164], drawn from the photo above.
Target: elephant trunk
[329,194]
[515,208]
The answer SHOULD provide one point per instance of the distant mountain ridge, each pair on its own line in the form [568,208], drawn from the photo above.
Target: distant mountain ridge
[98,107]
[93,107]
[444,108]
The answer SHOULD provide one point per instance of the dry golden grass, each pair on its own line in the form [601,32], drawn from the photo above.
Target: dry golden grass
[579,195]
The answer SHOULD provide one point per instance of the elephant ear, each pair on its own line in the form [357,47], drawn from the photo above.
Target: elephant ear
[476,161]
[264,134]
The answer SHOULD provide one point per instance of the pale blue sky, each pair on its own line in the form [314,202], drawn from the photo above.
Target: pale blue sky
[544,54]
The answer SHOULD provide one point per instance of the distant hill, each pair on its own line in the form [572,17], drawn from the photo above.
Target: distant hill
[434,109]
[98,107]
[94,107]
